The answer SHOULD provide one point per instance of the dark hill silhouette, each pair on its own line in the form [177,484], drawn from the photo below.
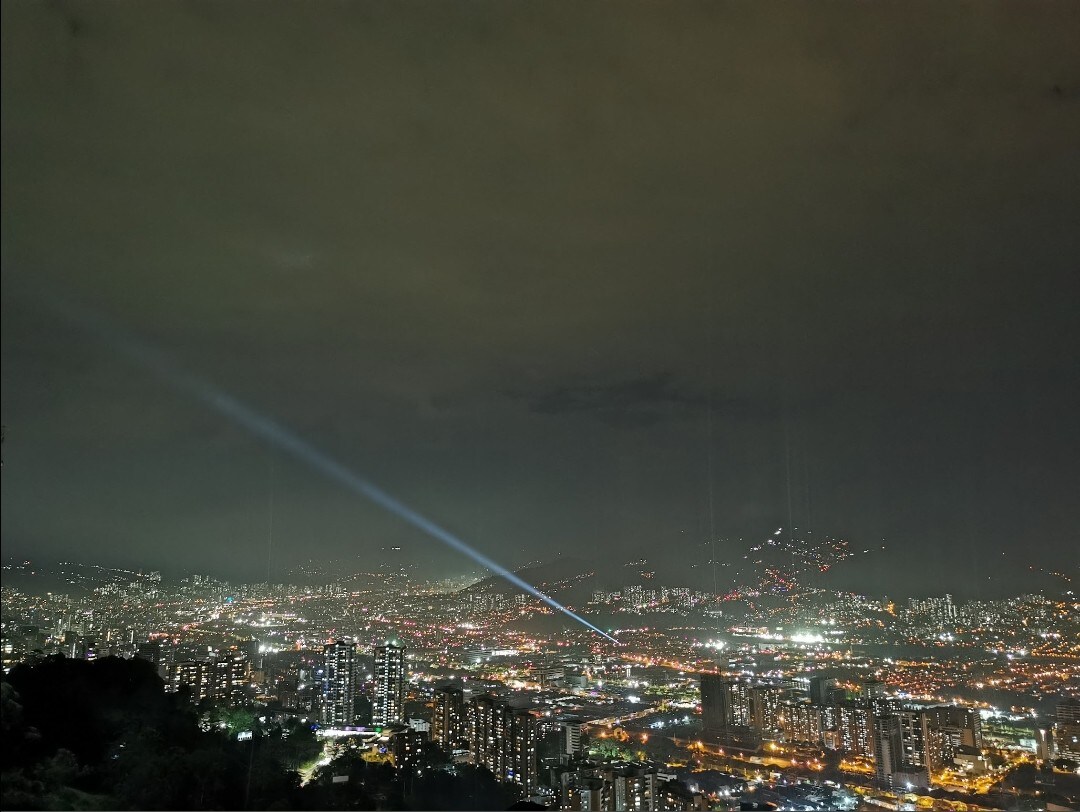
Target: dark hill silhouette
[767,564]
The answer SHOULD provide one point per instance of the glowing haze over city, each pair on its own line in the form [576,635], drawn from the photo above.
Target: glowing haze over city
[540,406]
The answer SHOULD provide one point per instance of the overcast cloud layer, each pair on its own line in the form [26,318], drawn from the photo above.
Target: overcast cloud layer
[503,258]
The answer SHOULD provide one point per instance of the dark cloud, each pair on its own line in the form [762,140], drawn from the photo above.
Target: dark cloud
[643,401]
[849,227]
[646,401]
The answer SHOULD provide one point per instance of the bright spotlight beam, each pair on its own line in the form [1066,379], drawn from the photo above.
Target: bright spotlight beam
[281,437]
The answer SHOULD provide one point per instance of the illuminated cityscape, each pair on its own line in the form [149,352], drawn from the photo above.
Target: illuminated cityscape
[485,405]
[807,699]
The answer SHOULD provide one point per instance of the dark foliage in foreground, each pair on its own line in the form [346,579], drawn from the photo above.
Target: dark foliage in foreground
[106,735]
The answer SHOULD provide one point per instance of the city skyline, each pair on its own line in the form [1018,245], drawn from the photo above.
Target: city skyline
[803,698]
[594,407]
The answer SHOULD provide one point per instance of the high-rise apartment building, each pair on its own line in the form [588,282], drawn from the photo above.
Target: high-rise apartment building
[228,676]
[149,651]
[822,690]
[338,683]
[888,750]
[571,740]
[855,729]
[801,722]
[845,725]
[1067,738]
[922,741]
[219,679]
[907,749]
[189,673]
[521,743]
[959,726]
[935,609]
[624,785]
[765,703]
[389,704]
[448,720]
[1068,712]
[873,697]
[725,707]
[503,739]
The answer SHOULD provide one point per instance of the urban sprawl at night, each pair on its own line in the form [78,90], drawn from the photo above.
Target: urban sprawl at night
[494,405]
[771,693]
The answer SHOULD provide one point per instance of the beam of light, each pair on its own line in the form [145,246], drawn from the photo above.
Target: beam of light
[283,438]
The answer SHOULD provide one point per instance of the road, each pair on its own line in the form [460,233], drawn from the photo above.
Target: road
[611,721]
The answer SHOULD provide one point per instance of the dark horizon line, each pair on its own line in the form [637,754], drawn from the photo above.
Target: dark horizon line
[178,574]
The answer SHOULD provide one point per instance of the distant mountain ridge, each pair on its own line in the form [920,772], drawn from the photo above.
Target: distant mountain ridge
[570,579]
[774,565]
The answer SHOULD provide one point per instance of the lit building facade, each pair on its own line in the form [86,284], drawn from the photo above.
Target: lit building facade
[338,683]
[888,750]
[217,680]
[726,712]
[448,720]
[801,722]
[503,739]
[624,785]
[1067,733]
[389,703]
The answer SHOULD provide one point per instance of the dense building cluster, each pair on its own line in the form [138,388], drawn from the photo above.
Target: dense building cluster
[907,744]
[702,699]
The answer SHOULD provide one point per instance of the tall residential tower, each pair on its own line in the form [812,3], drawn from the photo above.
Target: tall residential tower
[338,683]
[389,704]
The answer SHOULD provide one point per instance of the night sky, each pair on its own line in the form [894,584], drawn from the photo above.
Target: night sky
[503,258]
